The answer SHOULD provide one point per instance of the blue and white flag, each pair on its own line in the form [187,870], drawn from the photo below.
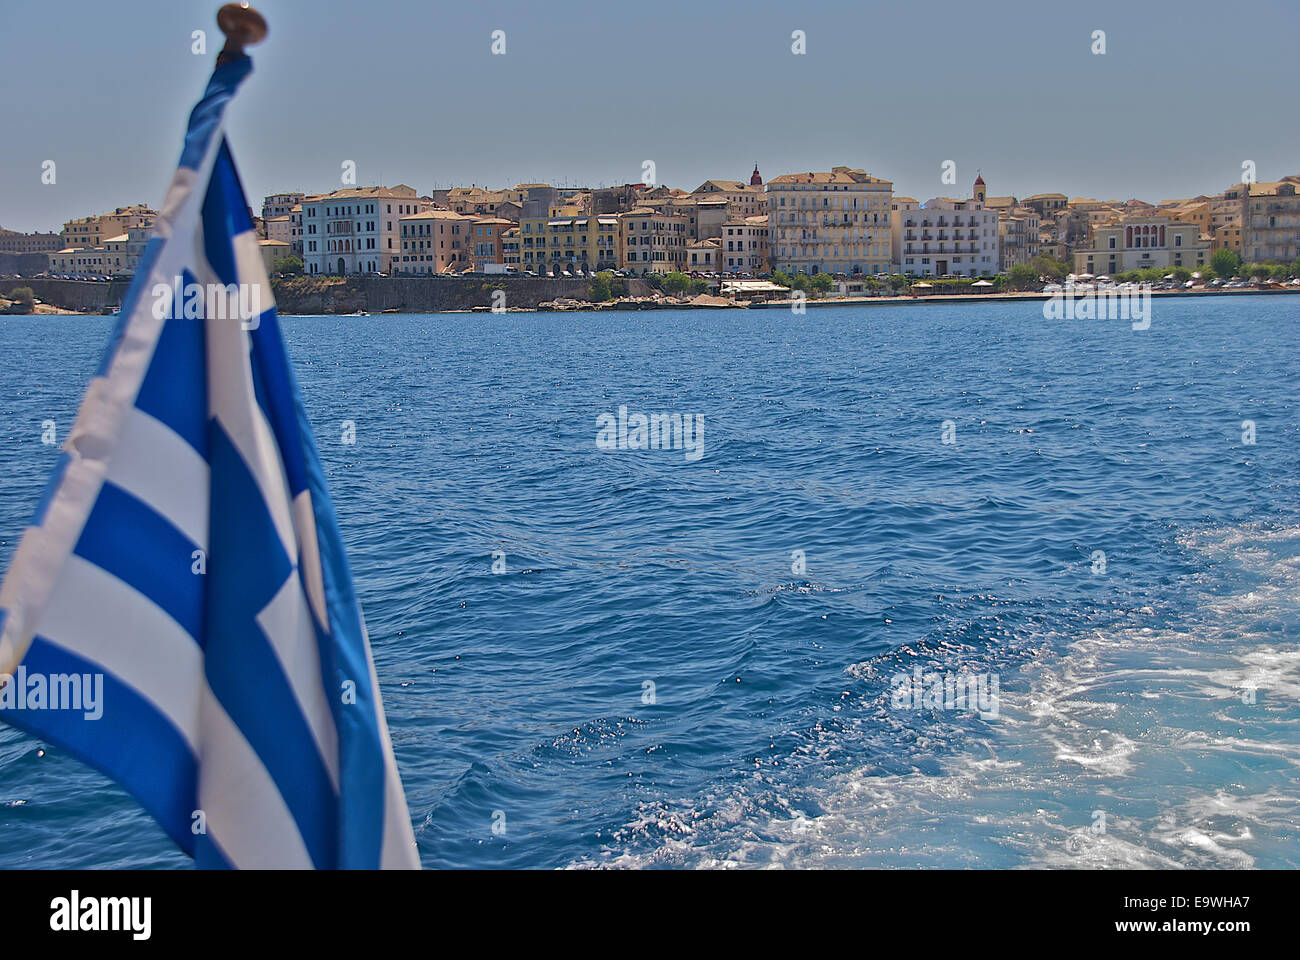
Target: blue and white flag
[180,614]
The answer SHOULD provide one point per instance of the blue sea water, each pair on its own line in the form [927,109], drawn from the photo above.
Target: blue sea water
[652,681]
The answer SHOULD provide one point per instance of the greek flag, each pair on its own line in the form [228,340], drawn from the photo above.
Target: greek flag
[186,563]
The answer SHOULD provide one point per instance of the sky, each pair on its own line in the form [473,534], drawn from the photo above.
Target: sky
[585,93]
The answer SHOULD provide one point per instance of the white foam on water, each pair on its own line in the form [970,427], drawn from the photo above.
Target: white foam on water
[1147,746]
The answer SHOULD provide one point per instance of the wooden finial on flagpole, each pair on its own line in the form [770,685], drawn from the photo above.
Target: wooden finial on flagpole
[243,27]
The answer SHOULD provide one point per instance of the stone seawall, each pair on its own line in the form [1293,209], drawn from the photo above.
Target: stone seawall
[84,296]
[311,295]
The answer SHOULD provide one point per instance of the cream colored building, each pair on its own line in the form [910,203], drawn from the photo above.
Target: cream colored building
[117,256]
[1142,242]
[80,261]
[702,255]
[1270,222]
[743,246]
[743,199]
[652,241]
[836,222]
[279,228]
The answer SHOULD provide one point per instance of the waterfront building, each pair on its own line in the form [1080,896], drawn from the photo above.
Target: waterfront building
[743,245]
[79,261]
[1270,222]
[433,242]
[575,243]
[835,222]
[1142,241]
[116,256]
[356,230]
[945,237]
[652,241]
[272,252]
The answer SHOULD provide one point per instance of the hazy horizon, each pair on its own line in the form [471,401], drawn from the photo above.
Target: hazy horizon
[414,95]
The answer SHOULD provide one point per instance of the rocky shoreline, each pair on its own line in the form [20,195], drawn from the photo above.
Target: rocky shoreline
[376,295]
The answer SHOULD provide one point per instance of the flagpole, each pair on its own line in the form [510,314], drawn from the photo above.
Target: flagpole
[243,27]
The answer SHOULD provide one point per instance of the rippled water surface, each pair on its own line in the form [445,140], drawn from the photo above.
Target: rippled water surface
[652,681]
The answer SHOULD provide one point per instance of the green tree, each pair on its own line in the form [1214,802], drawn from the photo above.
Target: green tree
[1225,263]
[676,283]
[1047,267]
[1181,274]
[1022,276]
[821,282]
[600,287]
[1294,269]
[23,300]
[897,282]
[1260,270]
[290,266]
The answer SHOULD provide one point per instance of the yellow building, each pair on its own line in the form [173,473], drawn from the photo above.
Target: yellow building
[1193,211]
[273,251]
[93,231]
[582,244]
